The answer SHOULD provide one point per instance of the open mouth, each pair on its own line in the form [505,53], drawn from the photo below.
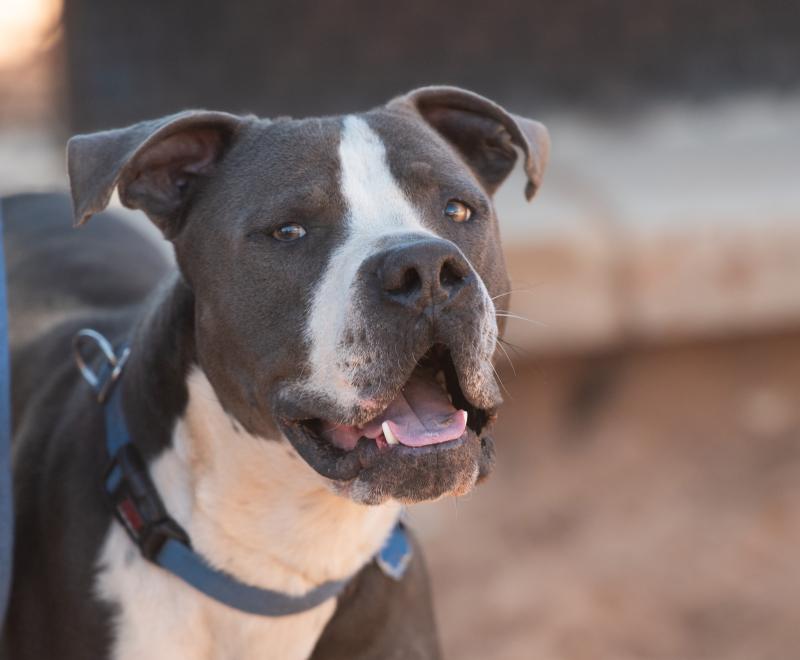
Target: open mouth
[429,414]
[430,409]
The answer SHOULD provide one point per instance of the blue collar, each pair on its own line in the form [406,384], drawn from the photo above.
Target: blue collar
[161,540]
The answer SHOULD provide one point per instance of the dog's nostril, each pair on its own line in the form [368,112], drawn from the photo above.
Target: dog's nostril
[408,283]
[451,275]
[411,281]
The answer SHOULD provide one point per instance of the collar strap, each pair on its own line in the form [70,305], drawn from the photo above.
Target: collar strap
[137,505]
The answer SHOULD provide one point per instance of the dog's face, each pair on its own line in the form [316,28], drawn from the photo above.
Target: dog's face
[343,270]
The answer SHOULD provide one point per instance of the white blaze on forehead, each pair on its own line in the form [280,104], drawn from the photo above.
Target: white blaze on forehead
[375,201]
[375,208]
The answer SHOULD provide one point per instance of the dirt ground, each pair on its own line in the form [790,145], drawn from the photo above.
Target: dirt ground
[646,504]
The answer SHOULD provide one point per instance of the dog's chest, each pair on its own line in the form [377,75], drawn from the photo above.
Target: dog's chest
[253,509]
[157,616]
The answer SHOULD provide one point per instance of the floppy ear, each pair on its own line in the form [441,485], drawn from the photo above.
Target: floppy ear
[156,165]
[483,133]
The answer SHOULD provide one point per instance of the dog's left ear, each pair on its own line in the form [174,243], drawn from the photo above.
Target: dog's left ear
[156,165]
[483,133]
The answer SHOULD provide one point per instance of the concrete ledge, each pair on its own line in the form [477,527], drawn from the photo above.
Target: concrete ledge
[584,294]
[676,224]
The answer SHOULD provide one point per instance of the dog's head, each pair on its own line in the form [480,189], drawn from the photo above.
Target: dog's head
[343,271]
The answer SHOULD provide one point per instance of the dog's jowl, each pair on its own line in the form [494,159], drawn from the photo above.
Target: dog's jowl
[319,356]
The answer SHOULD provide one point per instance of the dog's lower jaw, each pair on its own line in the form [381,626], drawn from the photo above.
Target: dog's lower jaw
[427,479]
[253,508]
[363,492]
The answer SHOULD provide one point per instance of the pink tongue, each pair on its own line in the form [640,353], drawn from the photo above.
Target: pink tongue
[421,415]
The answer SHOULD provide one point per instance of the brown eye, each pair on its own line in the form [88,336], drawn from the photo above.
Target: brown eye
[289,232]
[457,211]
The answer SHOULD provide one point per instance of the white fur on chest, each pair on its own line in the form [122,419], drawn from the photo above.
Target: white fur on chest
[253,508]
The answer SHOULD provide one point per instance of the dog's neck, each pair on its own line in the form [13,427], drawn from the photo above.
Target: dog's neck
[251,505]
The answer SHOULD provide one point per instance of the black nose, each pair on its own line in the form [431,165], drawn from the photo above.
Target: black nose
[423,273]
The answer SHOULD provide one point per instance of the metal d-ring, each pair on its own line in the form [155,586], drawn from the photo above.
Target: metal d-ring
[108,374]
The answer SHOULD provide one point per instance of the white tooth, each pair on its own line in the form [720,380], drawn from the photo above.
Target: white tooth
[390,437]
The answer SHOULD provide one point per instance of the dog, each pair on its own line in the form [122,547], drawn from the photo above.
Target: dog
[319,356]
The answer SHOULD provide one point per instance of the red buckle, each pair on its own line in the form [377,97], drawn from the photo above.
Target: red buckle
[127,509]
[137,505]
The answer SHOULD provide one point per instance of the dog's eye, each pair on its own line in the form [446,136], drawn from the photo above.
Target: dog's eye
[457,211]
[289,232]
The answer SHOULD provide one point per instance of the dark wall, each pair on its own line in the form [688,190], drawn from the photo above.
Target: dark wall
[128,60]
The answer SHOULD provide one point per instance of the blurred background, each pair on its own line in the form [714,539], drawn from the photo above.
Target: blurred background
[646,502]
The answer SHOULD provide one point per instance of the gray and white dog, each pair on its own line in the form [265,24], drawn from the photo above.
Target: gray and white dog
[321,355]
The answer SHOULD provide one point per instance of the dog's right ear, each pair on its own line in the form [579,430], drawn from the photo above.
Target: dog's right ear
[156,165]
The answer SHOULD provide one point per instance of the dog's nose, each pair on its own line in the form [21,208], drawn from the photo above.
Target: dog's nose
[423,273]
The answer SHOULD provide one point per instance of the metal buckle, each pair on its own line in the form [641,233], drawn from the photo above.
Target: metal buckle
[137,505]
[101,381]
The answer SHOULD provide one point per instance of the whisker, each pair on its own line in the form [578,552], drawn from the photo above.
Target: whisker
[455,505]
[511,344]
[518,350]
[500,380]
[505,314]
[508,293]
[500,346]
